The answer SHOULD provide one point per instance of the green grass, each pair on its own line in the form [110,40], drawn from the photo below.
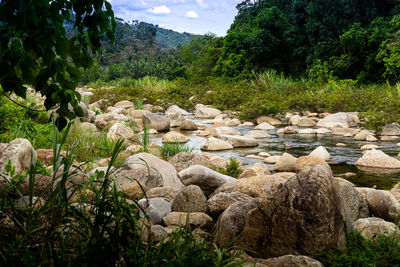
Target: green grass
[168,150]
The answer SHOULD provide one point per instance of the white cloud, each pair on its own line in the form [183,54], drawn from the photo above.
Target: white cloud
[191,14]
[201,3]
[160,10]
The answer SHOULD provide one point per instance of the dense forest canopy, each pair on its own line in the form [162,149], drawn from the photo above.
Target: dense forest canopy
[352,38]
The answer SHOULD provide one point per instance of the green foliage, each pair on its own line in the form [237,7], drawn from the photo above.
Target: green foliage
[381,251]
[35,50]
[168,150]
[233,168]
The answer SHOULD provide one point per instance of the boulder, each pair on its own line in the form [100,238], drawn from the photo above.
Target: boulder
[344,131]
[368,147]
[338,119]
[285,163]
[378,159]
[137,113]
[183,160]
[107,119]
[208,130]
[204,112]
[288,130]
[168,193]
[20,153]
[157,122]
[214,144]
[272,159]
[175,119]
[268,120]
[188,125]
[234,122]
[174,109]
[322,131]
[190,199]
[231,222]
[306,122]
[264,126]
[155,208]
[239,141]
[294,120]
[353,203]
[221,201]
[307,162]
[216,161]
[207,179]
[255,170]
[289,261]
[47,156]
[382,203]
[165,169]
[257,134]
[174,137]
[300,216]
[256,186]
[119,130]
[192,220]
[306,131]
[223,130]
[125,104]
[362,136]
[321,153]
[373,227]
[390,130]
[158,233]
[371,138]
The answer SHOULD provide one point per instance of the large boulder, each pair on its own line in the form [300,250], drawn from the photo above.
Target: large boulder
[204,112]
[223,130]
[216,161]
[174,137]
[20,153]
[176,119]
[183,160]
[192,220]
[269,120]
[390,130]
[264,126]
[321,153]
[119,130]
[294,120]
[257,134]
[255,170]
[239,141]
[207,179]
[207,131]
[382,203]
[155,209]
[373,227]
[285,163]
[363,135]
[378,159]
[289,261]
[174,109]
[306,122]
[308,162]
[353,203]
[231,222]
[256,186]
[344,131]
[188,125]
[301,216]
[338,119]
[214,144]
[125,104]
[47,155]
[169,193]
[157,122]
[165,169]
[221,201]
[190,199]
[107,119]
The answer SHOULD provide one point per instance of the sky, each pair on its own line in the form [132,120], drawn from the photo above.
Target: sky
[193,16]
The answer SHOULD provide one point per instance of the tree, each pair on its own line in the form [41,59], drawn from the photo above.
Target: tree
[35,50]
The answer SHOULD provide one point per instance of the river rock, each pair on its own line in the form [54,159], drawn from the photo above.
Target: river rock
[306,131]
[175,119]
[257,134]
[155,208]
[390,129]
[157,122]
[353,203]
[289,261]
[208,130]
[137,113]
[47,155]
[322,131]
[219,131]
[20,153]
[264,126]
[342,119]
[321,153]
[285,163]
[164,168]
[168,193]
[306,122]
[234,122]
[119,130]
[174,137]
[221,201]
[183,160]
[382,203]
[373,227]
[300,216]
[272,159]
[256,186]
[362,136]
[124,104]
[190,199]
[158,233]
[371,138]
[107,119]
[231,222]
[288,130]
[269,120]
[216,161]
[240,141]
[188,125]
[294,120]
[368,147]
[174,109]
[204,112]
[307,162]
[344,131]
[378,159]
[255,170]
[214,144]
[207,179]
[193,220]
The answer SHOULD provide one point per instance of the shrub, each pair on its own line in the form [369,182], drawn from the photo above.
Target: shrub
[233,168]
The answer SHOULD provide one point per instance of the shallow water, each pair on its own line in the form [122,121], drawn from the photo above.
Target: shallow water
[344,158]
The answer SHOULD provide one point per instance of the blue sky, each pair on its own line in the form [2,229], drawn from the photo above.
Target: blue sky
[194,16]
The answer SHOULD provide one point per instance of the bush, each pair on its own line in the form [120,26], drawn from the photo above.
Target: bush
[233,168]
